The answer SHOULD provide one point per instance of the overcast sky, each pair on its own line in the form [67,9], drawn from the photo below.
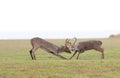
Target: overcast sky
[59,18]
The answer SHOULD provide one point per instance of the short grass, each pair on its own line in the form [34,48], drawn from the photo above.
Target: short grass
[15,61]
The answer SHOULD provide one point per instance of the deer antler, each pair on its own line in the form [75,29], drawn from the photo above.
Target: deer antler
[67,42]
[75,39]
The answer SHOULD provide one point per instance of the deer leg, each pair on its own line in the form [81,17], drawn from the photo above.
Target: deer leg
[100,50]
[59,56]
[73,55]
[34,56]
[78,55]
[32,53]
[102,55]
[81,51]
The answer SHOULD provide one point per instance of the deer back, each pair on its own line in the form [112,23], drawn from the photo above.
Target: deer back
[43,44]
[87,45]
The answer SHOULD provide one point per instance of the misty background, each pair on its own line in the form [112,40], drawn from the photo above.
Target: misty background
[25,19]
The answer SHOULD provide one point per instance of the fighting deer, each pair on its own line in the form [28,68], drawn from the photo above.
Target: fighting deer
[81,47]
[49,47]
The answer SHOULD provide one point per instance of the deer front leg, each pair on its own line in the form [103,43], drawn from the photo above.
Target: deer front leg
[73,55]
[81,51]
[78,55]
[59,55]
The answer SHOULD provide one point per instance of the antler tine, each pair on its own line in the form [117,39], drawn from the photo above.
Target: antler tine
[74,41]
[67,41]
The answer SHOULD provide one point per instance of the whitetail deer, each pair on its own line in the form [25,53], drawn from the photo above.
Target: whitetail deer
[81,47]
[49,47]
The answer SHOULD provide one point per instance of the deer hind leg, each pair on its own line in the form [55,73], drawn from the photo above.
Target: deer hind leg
[32,53]
[73,55]
[100,50]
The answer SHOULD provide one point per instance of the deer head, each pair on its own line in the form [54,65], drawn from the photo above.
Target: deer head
[67,46]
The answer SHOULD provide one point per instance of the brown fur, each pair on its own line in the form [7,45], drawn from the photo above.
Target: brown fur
[47,46]
[81,47]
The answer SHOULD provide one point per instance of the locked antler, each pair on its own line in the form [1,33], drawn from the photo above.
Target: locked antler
[75,40]
[67,42]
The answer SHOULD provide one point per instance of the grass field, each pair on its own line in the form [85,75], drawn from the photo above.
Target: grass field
[15,61]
